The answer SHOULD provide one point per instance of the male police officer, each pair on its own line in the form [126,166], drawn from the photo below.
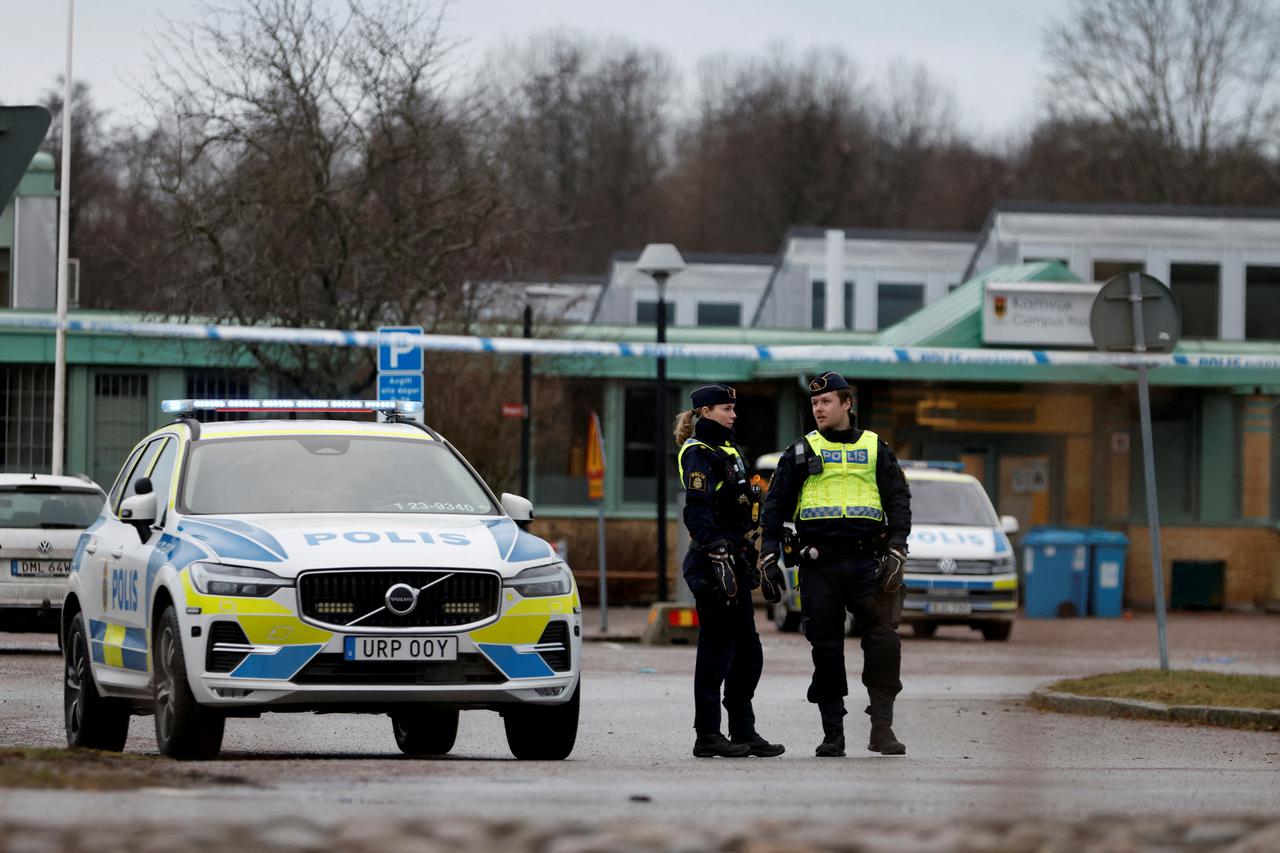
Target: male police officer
[844,489]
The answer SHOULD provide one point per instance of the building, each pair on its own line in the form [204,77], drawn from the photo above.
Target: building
[1052,444]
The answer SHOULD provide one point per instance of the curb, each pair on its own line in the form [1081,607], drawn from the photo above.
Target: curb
[1209,715]
[610,638]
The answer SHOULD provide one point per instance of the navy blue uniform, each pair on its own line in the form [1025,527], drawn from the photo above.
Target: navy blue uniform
[718,514]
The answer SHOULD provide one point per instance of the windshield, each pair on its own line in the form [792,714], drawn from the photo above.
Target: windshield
[48,507]
[328,473]
[961,502]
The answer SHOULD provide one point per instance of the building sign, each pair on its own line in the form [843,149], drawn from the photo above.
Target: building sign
[1039,314]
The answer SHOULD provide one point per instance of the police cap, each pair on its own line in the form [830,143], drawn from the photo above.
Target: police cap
[713,395]
[824,382]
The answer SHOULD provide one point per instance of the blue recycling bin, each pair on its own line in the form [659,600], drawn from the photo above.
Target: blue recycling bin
[1055,565]
[1107,553]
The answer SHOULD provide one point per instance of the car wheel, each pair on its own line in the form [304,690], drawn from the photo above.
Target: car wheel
[999,631]
[784,617]
[924,629]
[92,720]
[425,731]
[543,733]
[185,729]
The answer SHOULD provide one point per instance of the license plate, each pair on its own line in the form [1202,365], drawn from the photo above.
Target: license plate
[40,568]
[949,608]
[400,648]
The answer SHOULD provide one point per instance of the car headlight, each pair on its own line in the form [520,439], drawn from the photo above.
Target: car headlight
[215,579]
[1001,565]
[553,579]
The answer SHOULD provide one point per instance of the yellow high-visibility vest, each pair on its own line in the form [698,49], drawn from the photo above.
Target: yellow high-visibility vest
[736,462]
[847,487]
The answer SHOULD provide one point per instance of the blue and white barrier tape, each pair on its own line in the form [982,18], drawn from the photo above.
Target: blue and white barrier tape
[607,349]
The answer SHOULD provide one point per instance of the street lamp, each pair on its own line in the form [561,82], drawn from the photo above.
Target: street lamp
[661,261]
[526,386]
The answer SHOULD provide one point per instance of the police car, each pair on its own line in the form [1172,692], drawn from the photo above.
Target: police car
[315,565]
[960,565]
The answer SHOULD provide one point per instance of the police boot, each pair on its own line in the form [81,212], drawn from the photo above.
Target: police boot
[760,747]
[832,745]
[719,746]
[884,742]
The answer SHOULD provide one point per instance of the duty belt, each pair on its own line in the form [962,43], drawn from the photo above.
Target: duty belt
[817,512]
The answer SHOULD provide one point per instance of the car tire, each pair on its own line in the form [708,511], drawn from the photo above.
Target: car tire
[543,732]
[786,619]
[924,630]
[185,729]
[425,731]
[92,720]
[998,631]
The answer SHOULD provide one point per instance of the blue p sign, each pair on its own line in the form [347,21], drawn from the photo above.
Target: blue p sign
[396,350]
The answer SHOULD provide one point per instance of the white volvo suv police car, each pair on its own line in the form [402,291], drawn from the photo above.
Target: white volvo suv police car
[315,565]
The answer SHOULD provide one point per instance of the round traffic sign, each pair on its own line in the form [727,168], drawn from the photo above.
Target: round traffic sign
[1117,327]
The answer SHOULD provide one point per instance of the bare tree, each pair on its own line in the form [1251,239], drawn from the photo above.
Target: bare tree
[1189,82]
[319,174]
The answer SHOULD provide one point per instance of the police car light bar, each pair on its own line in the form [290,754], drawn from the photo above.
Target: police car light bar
[398,407]
[958,467]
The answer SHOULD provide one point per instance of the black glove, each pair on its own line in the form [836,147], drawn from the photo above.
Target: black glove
[775,584]
[892,565]
[722,568]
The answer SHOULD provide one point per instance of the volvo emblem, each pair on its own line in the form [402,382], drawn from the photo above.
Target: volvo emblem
[45,546]
[401,599]
[947,566]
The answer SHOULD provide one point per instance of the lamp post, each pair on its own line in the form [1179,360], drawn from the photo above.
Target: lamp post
[660,261]
[526,387]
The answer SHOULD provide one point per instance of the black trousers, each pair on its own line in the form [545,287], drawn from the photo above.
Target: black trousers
[729,654]
[827,590]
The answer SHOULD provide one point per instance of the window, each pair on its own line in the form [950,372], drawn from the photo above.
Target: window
[817,317]
[637,444]
[562,418]
[123,477]
[162,476]
[897,302]
[144,465]
[848,304]
[647,313]
[1104,271]
[1195,286]
[44,507]
[1175,428]
[26,417]
[218,385]
[719,314]
[5,255]
[1062,261]
[1261,303]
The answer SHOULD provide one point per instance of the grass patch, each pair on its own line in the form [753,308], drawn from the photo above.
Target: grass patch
[89,770]
[1180,687]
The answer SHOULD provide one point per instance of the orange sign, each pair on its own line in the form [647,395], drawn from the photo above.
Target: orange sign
[595,459]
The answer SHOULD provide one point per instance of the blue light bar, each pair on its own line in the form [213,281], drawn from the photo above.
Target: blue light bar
[936,465]
[399,407]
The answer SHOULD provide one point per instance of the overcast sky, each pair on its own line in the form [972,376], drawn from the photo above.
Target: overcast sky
[987,51]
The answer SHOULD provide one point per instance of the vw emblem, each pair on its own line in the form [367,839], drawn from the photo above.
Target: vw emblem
[947,566]
[401,599]
[45,546]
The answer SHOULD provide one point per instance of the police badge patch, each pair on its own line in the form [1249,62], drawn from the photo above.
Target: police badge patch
[697,481]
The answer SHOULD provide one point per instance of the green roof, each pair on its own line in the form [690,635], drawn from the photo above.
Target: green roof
[955,320]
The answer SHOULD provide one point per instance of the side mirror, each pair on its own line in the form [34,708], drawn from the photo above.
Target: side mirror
[139,511]
[520,509]
[1009,524]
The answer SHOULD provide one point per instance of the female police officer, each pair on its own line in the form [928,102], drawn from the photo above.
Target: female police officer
[720,511]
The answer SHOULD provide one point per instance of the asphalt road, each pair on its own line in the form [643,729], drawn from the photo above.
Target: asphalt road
[975,749]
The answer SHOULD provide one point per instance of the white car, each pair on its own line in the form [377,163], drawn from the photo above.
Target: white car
[960,565]
[41,519]
[315,565]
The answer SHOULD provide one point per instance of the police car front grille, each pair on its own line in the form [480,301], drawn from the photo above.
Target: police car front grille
[450,597]
[554,647]
[963,567]
[221,660]
[469,668]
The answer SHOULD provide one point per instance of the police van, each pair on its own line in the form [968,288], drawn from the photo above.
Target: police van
[960,564]
[242,567]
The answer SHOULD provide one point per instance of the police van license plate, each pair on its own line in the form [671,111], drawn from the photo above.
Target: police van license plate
[40,568]
[949,608]
[400,648]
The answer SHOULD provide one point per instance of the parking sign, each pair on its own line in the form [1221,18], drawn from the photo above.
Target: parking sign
[396,352]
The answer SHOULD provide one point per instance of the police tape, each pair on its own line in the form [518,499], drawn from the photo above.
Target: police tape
[808,353]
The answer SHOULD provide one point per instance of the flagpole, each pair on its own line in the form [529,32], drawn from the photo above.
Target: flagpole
[64,227]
